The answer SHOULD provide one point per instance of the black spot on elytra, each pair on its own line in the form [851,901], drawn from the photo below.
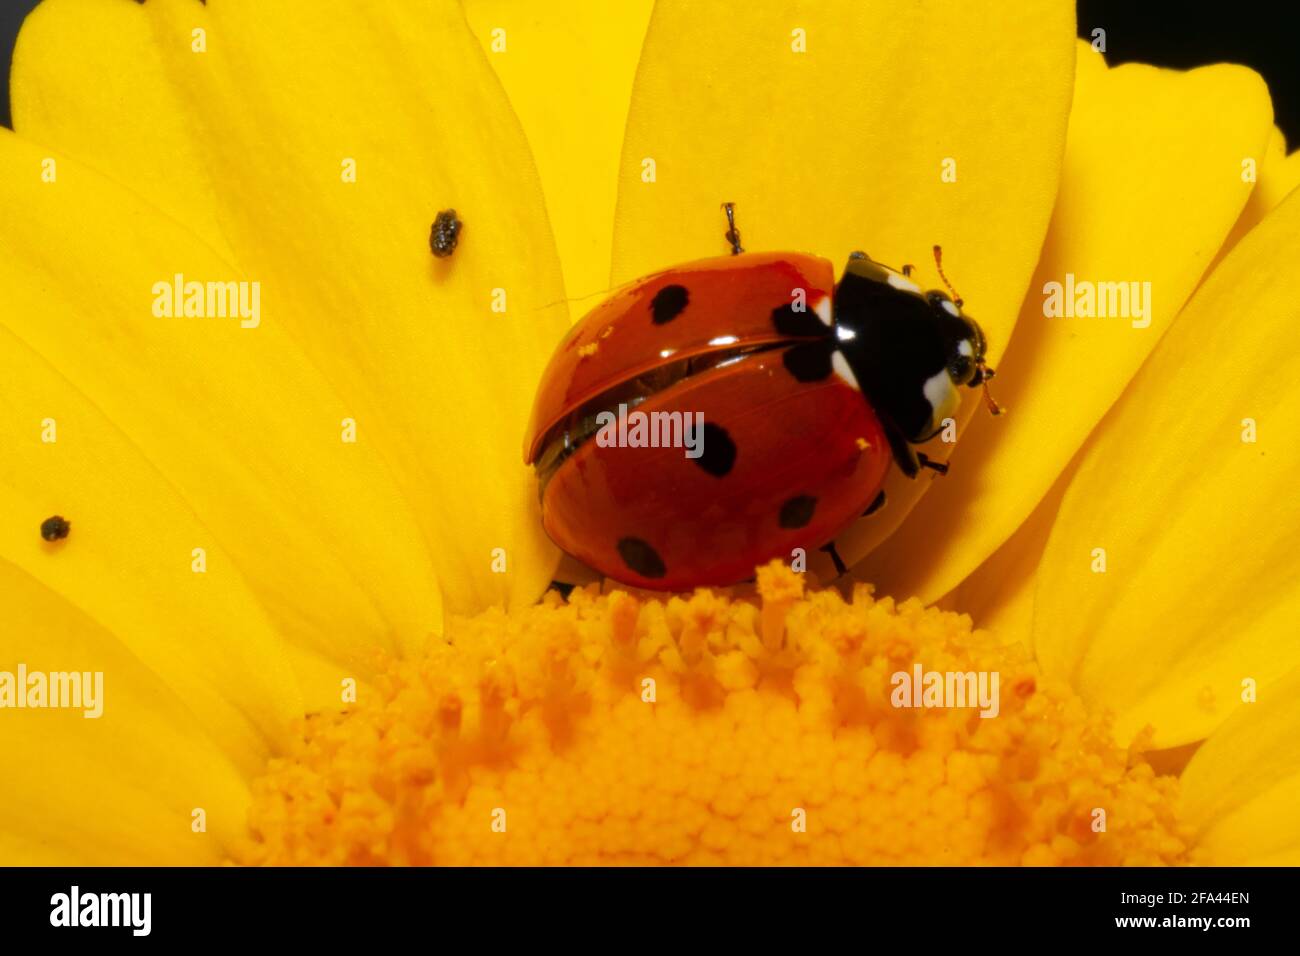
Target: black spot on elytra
[718,451]
[798,511]
[55,528]
[809,363]
[668,303]
[876,505]
[641,558]
[803,324]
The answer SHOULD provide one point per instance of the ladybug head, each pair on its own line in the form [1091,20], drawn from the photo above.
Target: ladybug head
[966,342]
[910,351]
[963,341]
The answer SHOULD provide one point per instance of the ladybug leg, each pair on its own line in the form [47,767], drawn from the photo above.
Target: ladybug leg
[903,453]
[939,466]
[908,269]
[562,587]
[910,462]
[840,566]
[732,235]
[876,504]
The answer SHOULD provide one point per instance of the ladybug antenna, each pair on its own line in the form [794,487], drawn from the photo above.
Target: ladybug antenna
[987,373]
[732,235]
[938,264]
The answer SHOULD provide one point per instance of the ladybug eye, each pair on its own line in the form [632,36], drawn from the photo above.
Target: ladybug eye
[962,369]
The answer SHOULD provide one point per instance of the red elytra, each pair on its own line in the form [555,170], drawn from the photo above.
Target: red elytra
[786,463]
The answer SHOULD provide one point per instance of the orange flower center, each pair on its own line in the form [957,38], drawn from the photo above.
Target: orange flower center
[774,727]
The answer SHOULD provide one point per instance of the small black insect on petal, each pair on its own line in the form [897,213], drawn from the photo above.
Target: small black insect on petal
[55,528]
[641,558]
[445,233]
[798,511]
[668,303]
[717,450]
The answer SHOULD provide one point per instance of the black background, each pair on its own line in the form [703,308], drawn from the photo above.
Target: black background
[1175,33]
[748,910]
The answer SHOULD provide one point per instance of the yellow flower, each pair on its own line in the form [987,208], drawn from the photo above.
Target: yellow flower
[270,510]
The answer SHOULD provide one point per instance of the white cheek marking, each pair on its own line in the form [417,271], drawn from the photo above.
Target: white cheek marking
[841,366]
[900,281]
[942,396]
[823,309]
[964,347]
[951,308]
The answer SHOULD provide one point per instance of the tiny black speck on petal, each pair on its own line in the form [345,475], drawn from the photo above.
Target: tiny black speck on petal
[445,233]
[641,558]
[668,303]
[717,451]
[55,528]
[798,511]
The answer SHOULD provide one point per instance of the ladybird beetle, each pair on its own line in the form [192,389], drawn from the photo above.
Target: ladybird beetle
[803,391]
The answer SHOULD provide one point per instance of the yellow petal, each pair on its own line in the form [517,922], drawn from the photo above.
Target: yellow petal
[1141,141]
[845,146]
[1198,525]
[1276,174]
[999,594]
[1242,788]
[126,562]
[120,788]
[549,59]
[88,82]
[438,382]
[235,418]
